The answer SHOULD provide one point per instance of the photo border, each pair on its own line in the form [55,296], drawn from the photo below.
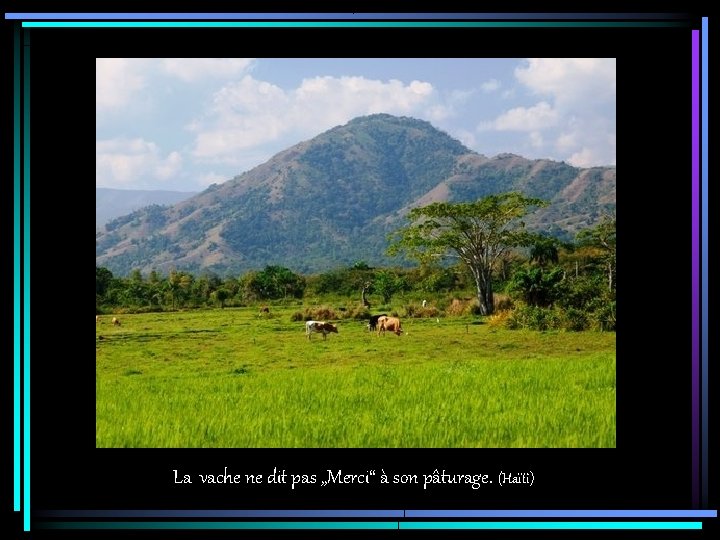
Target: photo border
[21,275]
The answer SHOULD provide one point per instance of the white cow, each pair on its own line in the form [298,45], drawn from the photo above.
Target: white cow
[321,327]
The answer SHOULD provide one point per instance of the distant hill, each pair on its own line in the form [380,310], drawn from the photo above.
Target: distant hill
[331,201]
[112,203]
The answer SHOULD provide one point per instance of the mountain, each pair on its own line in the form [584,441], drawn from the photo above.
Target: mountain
[332,200]
[112,203]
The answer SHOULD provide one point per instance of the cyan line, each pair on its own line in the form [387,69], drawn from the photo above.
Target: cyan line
[326,16]
[17,113]
[26,284]
[219,525]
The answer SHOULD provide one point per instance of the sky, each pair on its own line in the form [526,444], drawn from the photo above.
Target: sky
[184,123]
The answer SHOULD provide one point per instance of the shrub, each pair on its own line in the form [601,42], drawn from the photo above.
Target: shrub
[418,312]
[321,313]
[604,317]
[503,302]
[499,318]
[535,318]
[576,320]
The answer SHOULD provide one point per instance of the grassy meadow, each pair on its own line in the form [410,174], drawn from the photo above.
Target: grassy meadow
[230,378]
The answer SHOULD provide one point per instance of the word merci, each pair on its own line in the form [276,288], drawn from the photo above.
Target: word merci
[339,478]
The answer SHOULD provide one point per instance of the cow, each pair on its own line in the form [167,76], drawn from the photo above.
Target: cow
[389,323]
[372,325]
[424,303]
[97,319]
[319,326]
[116,321]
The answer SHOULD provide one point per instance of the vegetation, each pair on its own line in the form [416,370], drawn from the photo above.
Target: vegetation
[232,378]
[231,365]
[479,234]
[548,285]
[332,200]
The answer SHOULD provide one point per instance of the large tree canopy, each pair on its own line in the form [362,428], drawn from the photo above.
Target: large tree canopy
[478,233]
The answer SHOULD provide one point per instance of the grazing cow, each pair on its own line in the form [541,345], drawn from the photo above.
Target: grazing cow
[116,321]
[424,303]
[391,324]
[372,325]
[97,319]
[264,309]
[319,326]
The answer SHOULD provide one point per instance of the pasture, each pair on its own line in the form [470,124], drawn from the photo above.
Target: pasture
[229,378]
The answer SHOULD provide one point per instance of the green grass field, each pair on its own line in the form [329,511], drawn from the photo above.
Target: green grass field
[228,378]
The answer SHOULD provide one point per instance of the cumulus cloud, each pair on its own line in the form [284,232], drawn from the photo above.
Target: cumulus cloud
[570,80]
[193,69]
[249,112]
[533,118]
[116,81]
[133,163]
[574,119]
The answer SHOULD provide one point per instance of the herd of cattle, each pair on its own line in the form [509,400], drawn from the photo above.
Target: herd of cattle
[378,323]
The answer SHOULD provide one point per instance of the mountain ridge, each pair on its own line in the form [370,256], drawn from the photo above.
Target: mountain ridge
[331,200]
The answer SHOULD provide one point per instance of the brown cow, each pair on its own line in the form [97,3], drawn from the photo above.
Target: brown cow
[391,324]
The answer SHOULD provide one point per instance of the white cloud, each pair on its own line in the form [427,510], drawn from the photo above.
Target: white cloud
[116,81]
[570,80]
[250,112]
[133,163]
[584,158]
[537,117]
[193,69]
[575,120]
[490,86]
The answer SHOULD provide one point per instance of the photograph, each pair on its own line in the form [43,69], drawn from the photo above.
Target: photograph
[355,252]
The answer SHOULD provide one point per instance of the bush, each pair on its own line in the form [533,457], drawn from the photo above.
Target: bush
[576,320]
[535,318]
[604,317]
[322,313]
[499,319]
[418,312]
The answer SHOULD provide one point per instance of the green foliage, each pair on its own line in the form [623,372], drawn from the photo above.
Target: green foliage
[276,282]
[194,379]
[536,286]
[477,233]
[535,318]
[386,284]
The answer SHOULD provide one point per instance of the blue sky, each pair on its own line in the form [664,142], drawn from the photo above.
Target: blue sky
[184,123]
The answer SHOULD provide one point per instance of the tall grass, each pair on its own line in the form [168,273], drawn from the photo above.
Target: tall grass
[226,378]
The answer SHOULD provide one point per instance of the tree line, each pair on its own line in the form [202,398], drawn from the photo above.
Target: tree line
[480,246]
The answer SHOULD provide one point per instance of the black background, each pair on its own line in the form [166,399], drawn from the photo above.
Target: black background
[651,465]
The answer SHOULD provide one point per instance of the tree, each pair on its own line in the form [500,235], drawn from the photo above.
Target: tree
[221,295]
[478,233]
[386,284]
[602,237]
